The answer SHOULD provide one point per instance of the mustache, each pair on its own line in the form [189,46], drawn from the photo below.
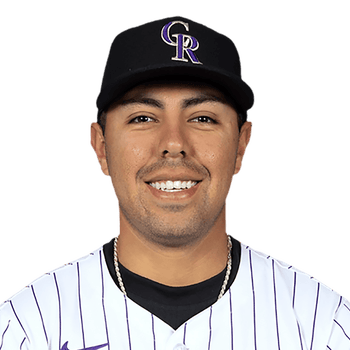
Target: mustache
[171,164]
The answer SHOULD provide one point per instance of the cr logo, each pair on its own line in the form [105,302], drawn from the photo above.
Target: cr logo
[183,43]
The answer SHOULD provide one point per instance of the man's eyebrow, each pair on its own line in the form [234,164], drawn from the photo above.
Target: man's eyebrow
[190,102]
[203,98]
[141,101]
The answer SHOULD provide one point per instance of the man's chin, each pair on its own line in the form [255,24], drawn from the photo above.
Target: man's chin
[175,232]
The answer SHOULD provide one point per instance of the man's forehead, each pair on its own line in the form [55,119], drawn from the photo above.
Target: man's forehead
[188,92]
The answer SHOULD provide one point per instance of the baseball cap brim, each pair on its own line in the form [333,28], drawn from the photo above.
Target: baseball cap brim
[230,85]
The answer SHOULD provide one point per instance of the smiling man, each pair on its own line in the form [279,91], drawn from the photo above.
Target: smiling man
[171,133]
[171,150]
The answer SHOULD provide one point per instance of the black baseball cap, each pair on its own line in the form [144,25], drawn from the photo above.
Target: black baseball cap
[169,48]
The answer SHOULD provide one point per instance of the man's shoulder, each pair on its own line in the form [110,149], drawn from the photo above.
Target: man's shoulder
[50,283]
[264,268]
[281,300]
[33,314]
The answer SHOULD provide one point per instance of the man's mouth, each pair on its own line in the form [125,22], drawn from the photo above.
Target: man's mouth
[173,186]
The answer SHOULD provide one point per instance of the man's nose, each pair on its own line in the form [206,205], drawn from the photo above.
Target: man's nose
[174,143]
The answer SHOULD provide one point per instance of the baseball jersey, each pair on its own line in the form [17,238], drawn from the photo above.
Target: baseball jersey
[269,306]
[174,305]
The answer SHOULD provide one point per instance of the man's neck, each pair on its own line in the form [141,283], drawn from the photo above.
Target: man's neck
[175,267]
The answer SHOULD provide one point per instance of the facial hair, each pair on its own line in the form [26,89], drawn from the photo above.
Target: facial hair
[179,234]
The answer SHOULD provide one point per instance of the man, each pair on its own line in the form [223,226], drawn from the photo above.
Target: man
[171,134]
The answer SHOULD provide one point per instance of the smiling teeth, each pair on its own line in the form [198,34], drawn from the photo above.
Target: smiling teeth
[173,186]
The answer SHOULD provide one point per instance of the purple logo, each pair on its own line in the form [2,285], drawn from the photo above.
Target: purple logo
[65,347]
[185,44]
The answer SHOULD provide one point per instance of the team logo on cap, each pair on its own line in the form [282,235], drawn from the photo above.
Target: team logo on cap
[185,44]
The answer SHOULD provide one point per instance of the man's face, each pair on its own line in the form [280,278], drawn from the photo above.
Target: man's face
[171,153]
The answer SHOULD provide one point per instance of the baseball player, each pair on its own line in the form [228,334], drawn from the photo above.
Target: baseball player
[172,131]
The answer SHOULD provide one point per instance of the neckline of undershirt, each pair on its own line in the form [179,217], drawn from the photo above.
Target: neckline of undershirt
[143,288]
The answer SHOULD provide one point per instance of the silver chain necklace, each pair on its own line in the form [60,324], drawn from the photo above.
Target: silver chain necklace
[224,285]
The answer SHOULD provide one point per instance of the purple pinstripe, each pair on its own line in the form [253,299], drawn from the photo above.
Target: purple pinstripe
[80,309]
[127,320]
[340,301]
[22,343]
[59,312]
[13,309]
[41,316]
[3,334]
[294,290]
[210,315]
[300,338]
[341,328]
[153,332]
[275,299]
[103,299]
[184,339]
[314,324]
[253,291]
[231,318]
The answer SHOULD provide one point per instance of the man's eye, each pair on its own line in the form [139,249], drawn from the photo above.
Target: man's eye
[146,119]
[203,119]
[141,119]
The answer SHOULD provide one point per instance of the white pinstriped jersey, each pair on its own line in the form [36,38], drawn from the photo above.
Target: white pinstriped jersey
[269,306]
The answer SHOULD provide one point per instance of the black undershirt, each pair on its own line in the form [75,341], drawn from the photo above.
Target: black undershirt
[173,305]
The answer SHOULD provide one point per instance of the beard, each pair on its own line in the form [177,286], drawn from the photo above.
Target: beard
[169,230]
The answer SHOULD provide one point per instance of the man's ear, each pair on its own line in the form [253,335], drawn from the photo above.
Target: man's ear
[244,137]
[98,144]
